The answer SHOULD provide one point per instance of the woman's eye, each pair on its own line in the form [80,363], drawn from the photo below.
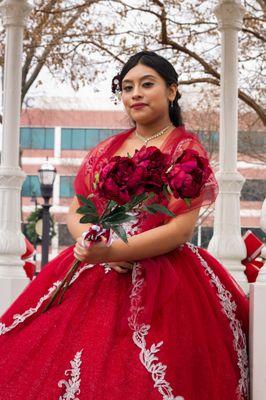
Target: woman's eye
[147,84]
[127,88]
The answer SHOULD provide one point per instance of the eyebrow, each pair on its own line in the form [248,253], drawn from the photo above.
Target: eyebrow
[143,77]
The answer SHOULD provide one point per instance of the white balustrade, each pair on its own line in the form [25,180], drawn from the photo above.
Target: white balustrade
[227,244]
[12,244]
[258,327]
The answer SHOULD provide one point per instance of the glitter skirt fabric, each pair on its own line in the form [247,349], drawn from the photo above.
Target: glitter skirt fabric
[172,329]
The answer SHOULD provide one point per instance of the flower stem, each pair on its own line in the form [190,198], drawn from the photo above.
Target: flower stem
[64,282]
[64,288]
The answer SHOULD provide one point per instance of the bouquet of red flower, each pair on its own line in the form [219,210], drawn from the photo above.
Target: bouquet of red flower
[129,183]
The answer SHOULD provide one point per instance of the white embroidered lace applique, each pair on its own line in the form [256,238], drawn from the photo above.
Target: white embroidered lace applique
[73,384]
[128,226]
[79,272]
[19,318]
[229,307]
[181,146]
[147,356]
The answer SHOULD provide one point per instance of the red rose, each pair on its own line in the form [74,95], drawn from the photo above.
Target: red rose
[120,180]
[188,175]
[154,163]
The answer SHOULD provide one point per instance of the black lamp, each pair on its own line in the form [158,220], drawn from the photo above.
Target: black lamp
[47,174]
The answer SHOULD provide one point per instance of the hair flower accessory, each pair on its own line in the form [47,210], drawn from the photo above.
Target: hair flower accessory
[116,89]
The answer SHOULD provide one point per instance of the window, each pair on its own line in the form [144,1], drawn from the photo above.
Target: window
[209,139]
[31,186]
[82,139]
[37,138]
[251,142]
[253,190]
[66,186]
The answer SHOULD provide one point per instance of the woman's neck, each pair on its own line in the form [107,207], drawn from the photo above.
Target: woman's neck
[151,129]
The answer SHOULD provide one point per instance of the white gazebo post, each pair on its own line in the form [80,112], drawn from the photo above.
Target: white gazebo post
[258,327]
[227,244]
[12,243]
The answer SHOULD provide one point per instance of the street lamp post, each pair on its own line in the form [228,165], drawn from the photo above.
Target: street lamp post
[47,174]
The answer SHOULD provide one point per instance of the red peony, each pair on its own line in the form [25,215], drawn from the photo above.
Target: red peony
[155,163]
[188,175]
[120,180]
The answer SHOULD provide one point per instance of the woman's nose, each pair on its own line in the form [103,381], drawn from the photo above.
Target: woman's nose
[136,94]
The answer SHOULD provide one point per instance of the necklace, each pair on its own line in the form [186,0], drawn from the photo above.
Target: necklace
[146,140]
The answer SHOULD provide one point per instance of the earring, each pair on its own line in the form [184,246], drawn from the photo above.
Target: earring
[171,104]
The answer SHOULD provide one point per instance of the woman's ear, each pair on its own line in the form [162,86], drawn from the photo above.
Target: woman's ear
[172,90]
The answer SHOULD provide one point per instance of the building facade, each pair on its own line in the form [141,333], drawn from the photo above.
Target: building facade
[64,137]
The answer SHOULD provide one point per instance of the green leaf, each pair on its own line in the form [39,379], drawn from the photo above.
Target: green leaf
[89,203]
[82,198]
[153,208]
[119,218]
[117,210]
[149,210]
[89,219]
[84,210]
[112,204]
[135,201]
[149,197]
[120,231]
[187,201]
[166,192]
[109,207]
[169,190]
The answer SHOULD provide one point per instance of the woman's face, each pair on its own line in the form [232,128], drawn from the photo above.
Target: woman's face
[146,96]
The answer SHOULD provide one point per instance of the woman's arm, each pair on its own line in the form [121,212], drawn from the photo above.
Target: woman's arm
[154,242]
[75,228]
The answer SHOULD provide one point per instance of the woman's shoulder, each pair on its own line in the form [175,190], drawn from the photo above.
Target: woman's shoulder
[116,137]
[104,145]
[185,139]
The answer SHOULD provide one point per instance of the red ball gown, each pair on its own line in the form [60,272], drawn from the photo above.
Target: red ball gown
[175,328]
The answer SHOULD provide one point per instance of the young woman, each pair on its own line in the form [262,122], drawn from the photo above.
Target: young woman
[157,318]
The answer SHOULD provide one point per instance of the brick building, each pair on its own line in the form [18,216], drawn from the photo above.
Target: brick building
[64,135]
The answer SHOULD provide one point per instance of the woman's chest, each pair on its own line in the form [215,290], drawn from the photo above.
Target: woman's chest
[129,147]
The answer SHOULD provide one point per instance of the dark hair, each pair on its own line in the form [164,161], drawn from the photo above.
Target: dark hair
[165,69]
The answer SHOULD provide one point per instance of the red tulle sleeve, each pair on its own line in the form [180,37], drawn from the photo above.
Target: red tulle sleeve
[81,182]
[208,192]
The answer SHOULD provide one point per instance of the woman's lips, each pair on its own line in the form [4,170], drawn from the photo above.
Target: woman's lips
[138,106]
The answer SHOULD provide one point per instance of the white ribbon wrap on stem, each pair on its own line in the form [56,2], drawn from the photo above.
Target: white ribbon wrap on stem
[94,233]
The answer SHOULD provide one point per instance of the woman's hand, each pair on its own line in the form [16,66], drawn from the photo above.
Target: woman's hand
[95,254]
[121,266]
[98,253]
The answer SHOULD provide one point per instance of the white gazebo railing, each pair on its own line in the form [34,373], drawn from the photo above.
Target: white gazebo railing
[12,243]
[258,327]
[227,244]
